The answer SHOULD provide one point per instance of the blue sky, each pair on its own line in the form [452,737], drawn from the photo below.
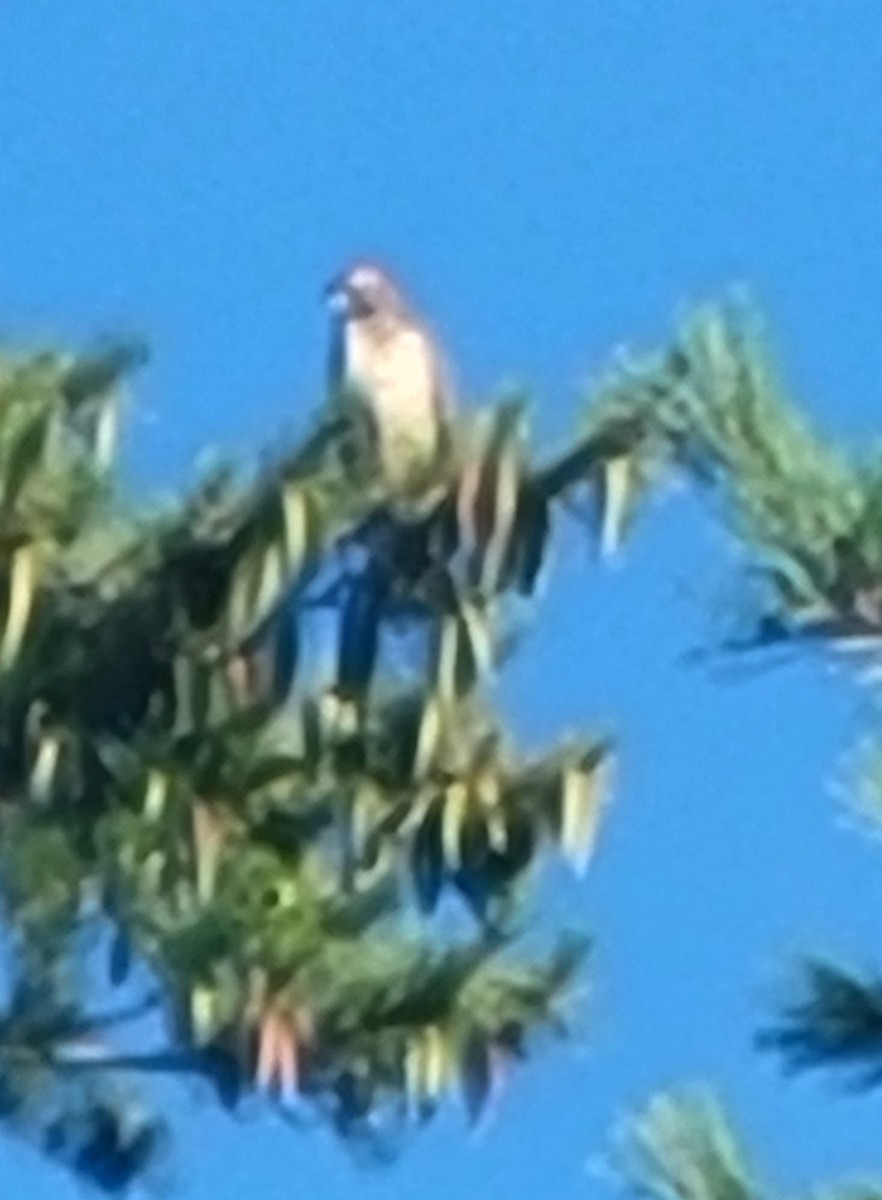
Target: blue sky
[551,179]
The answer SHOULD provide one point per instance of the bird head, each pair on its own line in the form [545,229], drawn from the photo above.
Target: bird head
[363,290]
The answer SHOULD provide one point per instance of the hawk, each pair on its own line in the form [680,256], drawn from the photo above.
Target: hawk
[383,354]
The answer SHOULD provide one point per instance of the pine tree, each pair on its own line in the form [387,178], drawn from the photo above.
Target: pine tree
[710,410]
[682,1147]
[323,874]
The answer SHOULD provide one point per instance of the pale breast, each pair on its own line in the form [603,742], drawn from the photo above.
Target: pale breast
[396,372]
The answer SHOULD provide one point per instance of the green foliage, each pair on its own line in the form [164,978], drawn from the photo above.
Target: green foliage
[712,410]
[327,879]
[682,1147]
[835,1022]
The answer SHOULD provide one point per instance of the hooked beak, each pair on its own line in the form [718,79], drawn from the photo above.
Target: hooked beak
[336,296]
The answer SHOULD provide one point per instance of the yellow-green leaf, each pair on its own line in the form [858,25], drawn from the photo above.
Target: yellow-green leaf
[448,653]
[616,496]
[22,587]
[295,515]
[106,434]
[436,1062]
[476,624]
[203,1004]
[583,792]
[207,843]
[366,804]
[453,818]
[508,476]
[428,738]
[45,767]
[271,582]
[155,794]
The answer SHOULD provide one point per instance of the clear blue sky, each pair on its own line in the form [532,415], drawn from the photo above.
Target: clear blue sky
[551,177]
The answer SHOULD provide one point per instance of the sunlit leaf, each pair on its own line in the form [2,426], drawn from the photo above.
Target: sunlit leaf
[454,815]
[616,494]
[583,792]
[19,605]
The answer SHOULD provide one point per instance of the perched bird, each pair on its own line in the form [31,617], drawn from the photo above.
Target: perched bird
[383,355]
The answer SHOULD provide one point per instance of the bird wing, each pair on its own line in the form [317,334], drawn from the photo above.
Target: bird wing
[397,370]
[415,373]
[443,384]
